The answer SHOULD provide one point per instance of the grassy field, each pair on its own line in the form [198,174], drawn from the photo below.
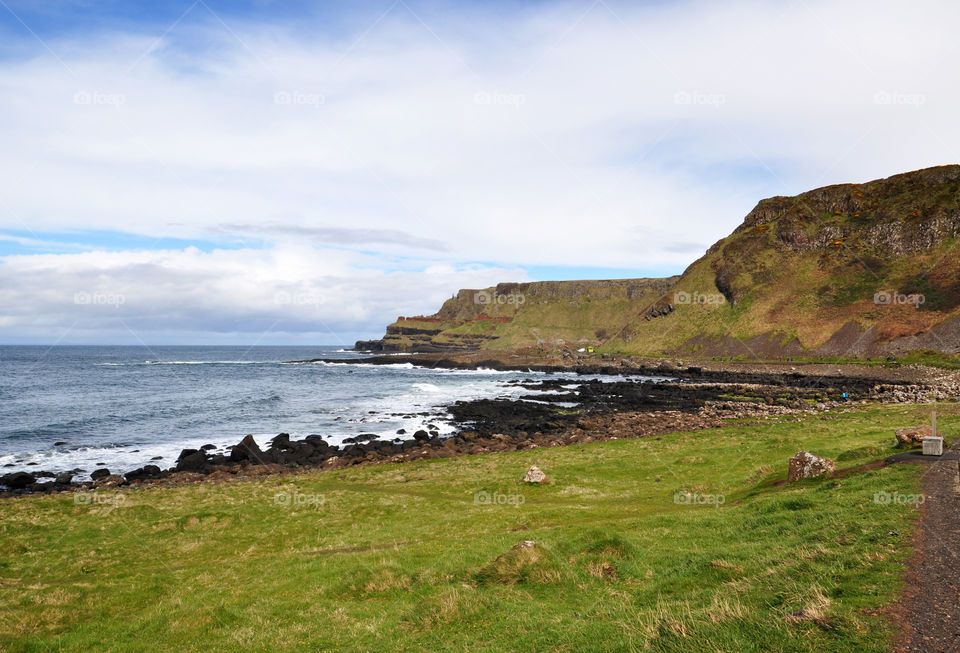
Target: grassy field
[684,543]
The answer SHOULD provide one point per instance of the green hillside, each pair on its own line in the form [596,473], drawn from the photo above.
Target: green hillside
[846,270]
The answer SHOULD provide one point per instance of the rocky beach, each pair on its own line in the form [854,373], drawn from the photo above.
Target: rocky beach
[634,399]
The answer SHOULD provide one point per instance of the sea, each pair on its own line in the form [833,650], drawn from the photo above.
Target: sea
[77,408]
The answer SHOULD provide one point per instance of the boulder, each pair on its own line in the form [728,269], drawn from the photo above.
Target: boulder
[103,472]
[192,462]
[17,480]
[247,450]
[64,479]
[913,435]
[535,475]
[281,441]
[143,473]
[807,465]
[108,481]
[421,436]
[295,453]
[363,437]
[186,452]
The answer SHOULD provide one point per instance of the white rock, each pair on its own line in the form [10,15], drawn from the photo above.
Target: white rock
[535,475]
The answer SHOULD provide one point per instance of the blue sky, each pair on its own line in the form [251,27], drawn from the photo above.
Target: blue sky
[302,172]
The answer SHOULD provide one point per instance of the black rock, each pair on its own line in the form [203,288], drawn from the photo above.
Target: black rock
[208,447]
[363,437]
[194,462]
[60,443]
[17,480]
[100,473]
[281,441]
[401,431]
[354,451]
[317,442]
[157,458]
[64,479]
[42,487]
[186,452]
[142,473]
[44,474]
[421,436]
[248,450]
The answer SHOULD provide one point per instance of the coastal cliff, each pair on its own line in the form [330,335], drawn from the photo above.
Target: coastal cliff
[852,270]
[514,315]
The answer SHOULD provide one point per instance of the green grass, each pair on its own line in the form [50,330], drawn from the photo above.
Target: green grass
[401,557]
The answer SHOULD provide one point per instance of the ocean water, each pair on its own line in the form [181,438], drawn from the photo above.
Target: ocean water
[121,406]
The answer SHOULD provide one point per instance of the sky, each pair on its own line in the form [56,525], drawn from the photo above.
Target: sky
[207,172]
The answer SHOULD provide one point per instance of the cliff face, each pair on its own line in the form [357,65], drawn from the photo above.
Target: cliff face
[512,315]
[845,270]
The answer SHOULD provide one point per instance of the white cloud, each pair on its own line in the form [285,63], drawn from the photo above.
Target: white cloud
[334,296]
[544,137]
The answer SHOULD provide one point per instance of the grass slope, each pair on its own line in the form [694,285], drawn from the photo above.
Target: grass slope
[403,557]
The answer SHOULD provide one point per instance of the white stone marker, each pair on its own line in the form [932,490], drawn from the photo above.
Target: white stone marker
[932,446]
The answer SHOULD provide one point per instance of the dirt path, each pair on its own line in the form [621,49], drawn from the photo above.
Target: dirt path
[929,614]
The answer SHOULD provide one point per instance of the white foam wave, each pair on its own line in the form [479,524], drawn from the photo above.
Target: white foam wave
[392,366]
[210,362]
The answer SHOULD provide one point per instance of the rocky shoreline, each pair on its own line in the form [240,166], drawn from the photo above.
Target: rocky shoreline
[554,411]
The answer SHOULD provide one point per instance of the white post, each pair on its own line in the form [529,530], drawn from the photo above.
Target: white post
[934,416]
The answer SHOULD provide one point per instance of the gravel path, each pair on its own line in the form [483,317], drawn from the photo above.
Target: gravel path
[929,614]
